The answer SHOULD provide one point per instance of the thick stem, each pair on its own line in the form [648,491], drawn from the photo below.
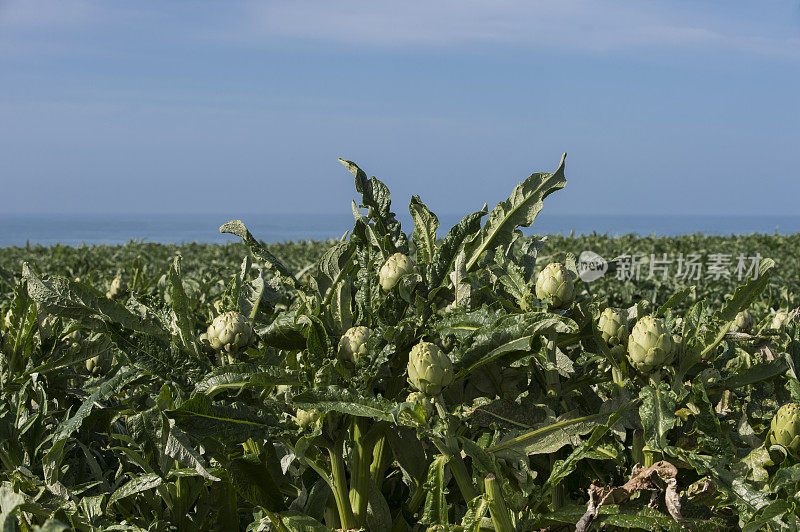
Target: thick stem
[339,480]
[380,456]
[637,447]
[554,395]
[361,459]
[501,518]
[551,375]
[459,470]
[331,516]
[618,377]
[417,498]
[559,494]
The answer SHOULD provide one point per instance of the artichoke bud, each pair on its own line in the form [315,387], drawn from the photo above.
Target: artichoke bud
[555,283]
[785,429]
[419,398]
[780,320]
[393,269]
[306,418]
[743,322]
[650,344]
[97,365]
[429,370]
[230,332]
[613,327]
[118,289]
[353,344]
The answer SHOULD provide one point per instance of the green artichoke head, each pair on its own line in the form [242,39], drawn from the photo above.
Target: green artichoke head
[97,365]
[785,429]
[743,322]
[613,327]
[118,289]
[650,344]
[555,282]
[306,418]
[779,320]
[429,370]
[424,401]
[393,269]
[353,344]
[230,332]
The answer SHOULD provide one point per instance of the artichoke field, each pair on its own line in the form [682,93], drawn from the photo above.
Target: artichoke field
[458,380]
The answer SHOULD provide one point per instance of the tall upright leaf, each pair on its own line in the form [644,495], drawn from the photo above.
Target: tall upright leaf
[519,210]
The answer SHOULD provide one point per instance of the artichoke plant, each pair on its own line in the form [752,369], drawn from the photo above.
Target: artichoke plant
[393,269]
[353,344]
[613,327]
[555,283]
[785,429]
[118,289]
[429,370]
[230,332]
[650,344]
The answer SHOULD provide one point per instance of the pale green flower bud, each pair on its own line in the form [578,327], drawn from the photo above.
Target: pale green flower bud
[613,327]
[424,401]
[785,429]
[230,332]
[118,289]
[429,370]
[743,322]
[780,320]
[650,344]
[555,282]
[353,344]
[395,267]
[306,418]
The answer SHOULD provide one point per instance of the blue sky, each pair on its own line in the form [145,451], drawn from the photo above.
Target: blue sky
[685,107]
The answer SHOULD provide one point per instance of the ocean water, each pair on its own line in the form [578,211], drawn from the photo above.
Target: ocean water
[76,229]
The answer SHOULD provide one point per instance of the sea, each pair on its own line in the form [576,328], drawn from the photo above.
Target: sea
[111,229]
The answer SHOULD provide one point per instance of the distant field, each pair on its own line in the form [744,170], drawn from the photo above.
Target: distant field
[102,263]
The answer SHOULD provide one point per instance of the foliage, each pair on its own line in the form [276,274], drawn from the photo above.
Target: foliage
[459,387]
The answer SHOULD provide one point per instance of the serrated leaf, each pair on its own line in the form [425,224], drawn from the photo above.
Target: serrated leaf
[425,225]
[519,210]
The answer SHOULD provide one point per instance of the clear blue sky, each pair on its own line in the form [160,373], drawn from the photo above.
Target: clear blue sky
[228,106]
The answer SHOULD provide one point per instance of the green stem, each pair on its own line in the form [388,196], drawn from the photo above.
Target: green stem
[554,394]
[331,516]
[618,377]
[501,518]
[380,457]
[637,447]
[459,470]
[417,499]
[359,481]
[559,495]
[551,375]
[339,487]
